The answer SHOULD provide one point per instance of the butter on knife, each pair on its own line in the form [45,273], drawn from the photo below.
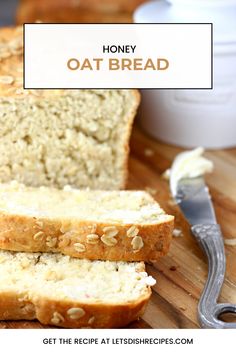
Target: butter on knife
[188,164]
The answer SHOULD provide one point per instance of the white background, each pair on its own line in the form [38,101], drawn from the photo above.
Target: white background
[48,47]
[31,341]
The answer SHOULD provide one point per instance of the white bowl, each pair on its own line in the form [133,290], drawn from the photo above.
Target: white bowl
[193,118]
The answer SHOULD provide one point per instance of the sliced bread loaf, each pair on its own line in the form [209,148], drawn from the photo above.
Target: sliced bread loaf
[108,225]
[76,11]
[59,137]
[68,292]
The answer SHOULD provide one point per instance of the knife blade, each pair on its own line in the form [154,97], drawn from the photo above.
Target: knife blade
[193,197]
[194,200]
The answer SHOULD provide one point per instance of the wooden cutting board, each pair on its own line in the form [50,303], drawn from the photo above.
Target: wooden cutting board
[181,274]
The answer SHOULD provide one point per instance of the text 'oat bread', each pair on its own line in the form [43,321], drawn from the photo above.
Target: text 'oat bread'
[107,225]
[59,137]
[71,293]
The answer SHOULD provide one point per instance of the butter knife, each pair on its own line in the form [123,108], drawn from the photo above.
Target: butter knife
[193,198]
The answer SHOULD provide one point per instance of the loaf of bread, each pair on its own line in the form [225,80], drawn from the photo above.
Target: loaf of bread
[63,11]
[102,6]
[59,137]
[72,293]
[106,225]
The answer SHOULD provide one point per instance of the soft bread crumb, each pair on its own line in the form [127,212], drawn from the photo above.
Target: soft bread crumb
[75,138]
[105,206]
[60,137]
[74,279]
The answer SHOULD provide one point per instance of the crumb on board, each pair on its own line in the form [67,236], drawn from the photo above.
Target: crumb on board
[166,174]
[150,190]
[230,241]
[177,233]
[151,261]
[173,268]
[171,202]
[148,152]
[183,308]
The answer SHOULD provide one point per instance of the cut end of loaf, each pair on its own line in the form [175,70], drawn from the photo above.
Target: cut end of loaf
[76,137]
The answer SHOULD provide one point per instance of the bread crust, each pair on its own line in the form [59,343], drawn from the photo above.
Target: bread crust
[106,6]
[43,310]
[133,113]
[31,234]
[96,315]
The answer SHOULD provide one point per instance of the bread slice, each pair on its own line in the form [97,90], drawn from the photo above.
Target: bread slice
[107,225]
[69,292]
[59,137]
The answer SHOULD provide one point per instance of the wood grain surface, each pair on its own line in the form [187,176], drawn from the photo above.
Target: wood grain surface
[181,274]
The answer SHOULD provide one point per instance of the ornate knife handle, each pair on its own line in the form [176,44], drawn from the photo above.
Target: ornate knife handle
[210,238]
